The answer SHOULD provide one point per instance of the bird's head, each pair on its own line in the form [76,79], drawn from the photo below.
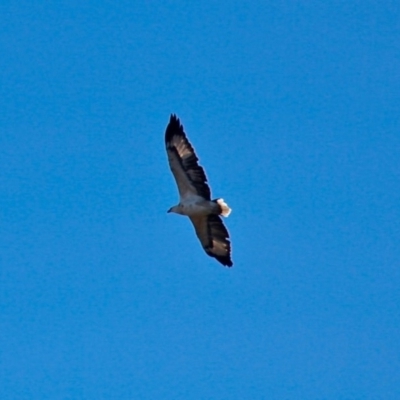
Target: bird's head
[174,209]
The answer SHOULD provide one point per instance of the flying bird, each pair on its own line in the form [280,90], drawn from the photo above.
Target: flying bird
[195,195]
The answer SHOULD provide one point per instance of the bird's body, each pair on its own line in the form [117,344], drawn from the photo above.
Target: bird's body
[195,195]
[196,206]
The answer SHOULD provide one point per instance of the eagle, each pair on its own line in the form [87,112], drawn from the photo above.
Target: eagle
[195,195]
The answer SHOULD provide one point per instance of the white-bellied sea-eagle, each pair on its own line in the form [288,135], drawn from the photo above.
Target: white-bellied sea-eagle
[195,195]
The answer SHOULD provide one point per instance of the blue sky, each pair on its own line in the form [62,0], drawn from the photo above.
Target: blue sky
[293,109]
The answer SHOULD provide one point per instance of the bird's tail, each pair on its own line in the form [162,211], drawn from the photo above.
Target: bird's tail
[225,209]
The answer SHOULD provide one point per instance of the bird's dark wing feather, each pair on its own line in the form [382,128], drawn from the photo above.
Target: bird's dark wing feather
[214,237]
[189,175]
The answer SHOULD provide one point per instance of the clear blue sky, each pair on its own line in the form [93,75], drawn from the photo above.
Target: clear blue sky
[294,110]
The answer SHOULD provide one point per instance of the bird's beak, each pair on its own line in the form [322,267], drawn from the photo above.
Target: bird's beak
[169,211]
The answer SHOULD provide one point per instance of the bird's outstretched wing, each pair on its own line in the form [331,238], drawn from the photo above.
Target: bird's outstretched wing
[189,175]
[214,237]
